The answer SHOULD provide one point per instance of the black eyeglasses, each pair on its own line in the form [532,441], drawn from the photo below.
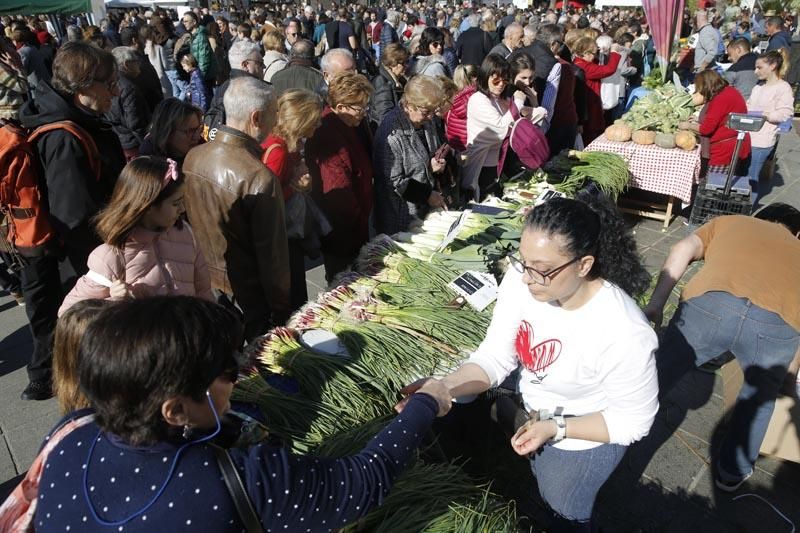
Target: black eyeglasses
[542,278]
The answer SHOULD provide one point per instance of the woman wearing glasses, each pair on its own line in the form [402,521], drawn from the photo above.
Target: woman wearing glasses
[176,128]
[489,119]
[406,160]
[339,160]
[565,315]
[82,90]
[429,60]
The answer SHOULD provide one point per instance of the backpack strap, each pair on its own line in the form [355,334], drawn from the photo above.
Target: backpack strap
[514,110]
[236,489]
[89,146]
[269,151]
[275,61]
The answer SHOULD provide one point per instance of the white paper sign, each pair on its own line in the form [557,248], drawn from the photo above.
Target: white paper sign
[478,288]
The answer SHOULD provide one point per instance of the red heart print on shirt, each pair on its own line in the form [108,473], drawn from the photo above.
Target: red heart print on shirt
[536,358]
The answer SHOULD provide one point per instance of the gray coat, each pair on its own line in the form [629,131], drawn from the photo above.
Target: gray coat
[402,171]
[432,65]
[742,75]
[707,46]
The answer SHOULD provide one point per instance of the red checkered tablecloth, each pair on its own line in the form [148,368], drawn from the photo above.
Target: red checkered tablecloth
[671,172]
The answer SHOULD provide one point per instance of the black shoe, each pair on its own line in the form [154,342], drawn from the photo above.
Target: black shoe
[37,390]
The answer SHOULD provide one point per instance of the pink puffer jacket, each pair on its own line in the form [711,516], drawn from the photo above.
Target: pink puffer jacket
[456,119]
[151,263]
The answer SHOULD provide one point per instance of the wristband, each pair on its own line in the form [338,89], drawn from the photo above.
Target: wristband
[561,426]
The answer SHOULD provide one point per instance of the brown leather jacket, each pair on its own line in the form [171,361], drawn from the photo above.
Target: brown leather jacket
[235,206]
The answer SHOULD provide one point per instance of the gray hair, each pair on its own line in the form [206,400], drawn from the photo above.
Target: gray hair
[474,20]
[514,26]
[123,55]
[245,95]
[393,17]
[240,51]
[325,62]
[604,43]
[548,34]
[530,30]
[74,33]
[302,49]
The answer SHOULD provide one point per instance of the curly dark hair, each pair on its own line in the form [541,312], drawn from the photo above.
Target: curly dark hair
[139,353]
[781,213]
[592,226]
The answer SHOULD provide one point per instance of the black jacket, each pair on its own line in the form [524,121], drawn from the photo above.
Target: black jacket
[148,82]
[385,97]
[73,194]
[473,46]
[297,76]
[129,115]
[215,116]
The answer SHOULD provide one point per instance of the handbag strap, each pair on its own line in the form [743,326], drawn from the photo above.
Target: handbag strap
[236,489]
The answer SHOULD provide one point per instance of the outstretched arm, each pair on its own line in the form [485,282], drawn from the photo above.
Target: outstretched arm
[681,255]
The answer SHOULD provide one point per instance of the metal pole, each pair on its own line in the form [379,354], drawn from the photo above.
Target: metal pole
[732,169]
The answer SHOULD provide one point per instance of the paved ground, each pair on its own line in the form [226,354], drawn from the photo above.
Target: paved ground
[664,483]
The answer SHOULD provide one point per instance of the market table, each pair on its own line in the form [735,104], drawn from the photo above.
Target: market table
[670,172]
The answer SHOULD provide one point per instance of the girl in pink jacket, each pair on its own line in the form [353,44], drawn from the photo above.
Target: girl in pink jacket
[149,249]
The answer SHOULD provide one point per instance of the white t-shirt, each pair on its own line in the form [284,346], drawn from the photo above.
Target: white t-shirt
[598,358]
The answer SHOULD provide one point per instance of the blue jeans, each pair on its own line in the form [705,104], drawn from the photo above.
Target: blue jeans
[758,157]
[762,342]
[172,75]
[179,87]
[569,480]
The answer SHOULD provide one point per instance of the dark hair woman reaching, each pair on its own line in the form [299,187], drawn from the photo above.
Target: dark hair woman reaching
[565,315]
[159,373]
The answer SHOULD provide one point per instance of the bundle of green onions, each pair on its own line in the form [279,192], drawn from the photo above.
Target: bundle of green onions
[441,496]
[434,497]
[300,421]
[571,170]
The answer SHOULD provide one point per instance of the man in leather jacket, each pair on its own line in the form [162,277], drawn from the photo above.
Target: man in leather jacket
[235,206]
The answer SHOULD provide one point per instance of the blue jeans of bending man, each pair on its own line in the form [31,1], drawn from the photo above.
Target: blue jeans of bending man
[762,342]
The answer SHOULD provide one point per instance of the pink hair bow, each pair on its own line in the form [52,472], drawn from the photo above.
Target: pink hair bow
[171,174]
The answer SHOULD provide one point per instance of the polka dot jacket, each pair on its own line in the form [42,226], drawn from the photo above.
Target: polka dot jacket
[289,493]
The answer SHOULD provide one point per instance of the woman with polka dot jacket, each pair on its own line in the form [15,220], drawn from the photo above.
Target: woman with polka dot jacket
[159,373]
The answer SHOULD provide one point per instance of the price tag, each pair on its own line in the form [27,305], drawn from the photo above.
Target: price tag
[478,288]
[455,227]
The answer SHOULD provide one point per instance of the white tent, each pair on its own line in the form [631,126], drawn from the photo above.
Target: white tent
[600,4]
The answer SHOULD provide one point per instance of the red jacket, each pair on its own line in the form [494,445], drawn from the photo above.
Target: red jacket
[595,124]
[712,125]
[280,162]
[340,163]
[456,120]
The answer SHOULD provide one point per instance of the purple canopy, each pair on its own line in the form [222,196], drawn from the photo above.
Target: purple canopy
[665,18]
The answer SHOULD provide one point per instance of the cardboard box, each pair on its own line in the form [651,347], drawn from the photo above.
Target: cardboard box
[783,434]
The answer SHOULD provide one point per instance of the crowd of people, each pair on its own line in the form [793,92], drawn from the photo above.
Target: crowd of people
[197,162]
